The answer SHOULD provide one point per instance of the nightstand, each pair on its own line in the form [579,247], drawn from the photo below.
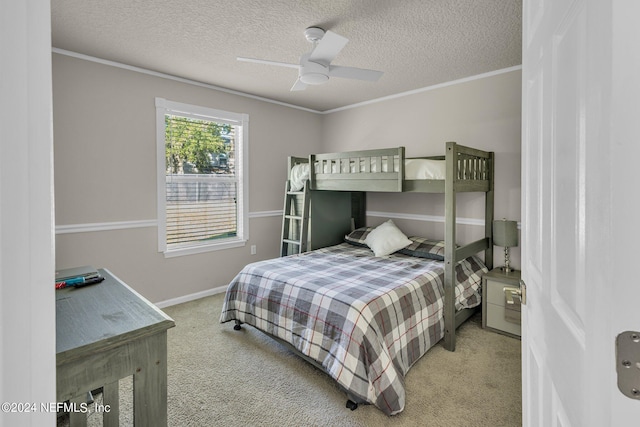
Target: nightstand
[497,314]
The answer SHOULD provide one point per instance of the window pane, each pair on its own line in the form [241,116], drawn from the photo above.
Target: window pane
[199,146]
[200,209]
[201,184]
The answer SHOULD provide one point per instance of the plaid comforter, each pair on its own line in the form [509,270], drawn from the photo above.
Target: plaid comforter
[365,319]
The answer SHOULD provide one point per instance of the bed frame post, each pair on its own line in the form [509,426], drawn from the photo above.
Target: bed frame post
[450,247]
[400,168]
[312,171]
[488,213]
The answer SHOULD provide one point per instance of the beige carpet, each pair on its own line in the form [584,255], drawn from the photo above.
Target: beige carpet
[221,377]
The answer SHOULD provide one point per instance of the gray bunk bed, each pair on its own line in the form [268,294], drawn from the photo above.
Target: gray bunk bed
[331,196]
[466,169]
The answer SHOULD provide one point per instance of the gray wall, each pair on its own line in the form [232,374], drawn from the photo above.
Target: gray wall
[105,174]
[482,113]
[105,165]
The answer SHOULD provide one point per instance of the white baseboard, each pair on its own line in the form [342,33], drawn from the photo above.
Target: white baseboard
[191,297]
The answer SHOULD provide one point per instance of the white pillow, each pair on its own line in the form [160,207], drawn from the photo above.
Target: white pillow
[386,239]
[299,174]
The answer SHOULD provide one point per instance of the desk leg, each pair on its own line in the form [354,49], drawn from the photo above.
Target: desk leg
[150,385]
[111,397]
[78,418]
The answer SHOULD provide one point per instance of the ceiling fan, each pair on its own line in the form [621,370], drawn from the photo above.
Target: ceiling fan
[315,66]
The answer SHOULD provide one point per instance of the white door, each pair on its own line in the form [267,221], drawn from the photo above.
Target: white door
[580,222]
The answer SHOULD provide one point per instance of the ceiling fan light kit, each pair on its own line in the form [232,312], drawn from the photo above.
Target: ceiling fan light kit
[315,67]
[312,73]
[314,78]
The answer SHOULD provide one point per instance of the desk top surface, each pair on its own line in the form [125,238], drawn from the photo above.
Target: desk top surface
[95,317]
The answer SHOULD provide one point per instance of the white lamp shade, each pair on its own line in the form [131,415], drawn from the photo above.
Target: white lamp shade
[505,233]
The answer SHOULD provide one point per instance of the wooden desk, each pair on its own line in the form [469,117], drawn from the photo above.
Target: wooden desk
[106,332]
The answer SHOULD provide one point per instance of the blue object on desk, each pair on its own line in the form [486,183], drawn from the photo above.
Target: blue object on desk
[75,281]
[89,281]
[79,281]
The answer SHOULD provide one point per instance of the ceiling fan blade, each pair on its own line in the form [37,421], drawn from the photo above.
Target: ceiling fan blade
[328,48]
[354,73]
[266,62]
[298,85]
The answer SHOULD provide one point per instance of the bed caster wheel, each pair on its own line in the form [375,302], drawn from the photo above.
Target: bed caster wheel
[237,326]
[352,405]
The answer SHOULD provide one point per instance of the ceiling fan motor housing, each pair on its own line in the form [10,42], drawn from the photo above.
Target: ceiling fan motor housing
[314,34]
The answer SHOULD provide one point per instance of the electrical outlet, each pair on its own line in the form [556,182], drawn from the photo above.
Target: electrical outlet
[254,249]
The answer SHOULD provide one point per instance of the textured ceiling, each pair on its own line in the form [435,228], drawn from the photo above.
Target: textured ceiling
[416,43]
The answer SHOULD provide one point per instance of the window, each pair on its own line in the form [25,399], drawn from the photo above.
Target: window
[202,178]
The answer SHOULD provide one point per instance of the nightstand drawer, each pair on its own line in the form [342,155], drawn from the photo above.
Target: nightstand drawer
[497,314]
[497,319]
[495,292]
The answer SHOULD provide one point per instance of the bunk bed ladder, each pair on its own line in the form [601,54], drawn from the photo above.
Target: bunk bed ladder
[295,220]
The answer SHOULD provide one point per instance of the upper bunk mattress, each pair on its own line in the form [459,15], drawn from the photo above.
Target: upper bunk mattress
[414,169]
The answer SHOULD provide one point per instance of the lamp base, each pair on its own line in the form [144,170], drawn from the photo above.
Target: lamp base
[506,268]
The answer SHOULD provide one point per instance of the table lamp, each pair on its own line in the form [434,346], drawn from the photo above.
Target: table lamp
[505,233]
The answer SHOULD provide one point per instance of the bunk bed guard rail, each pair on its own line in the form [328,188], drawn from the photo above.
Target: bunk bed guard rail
[384,170]
[367,170]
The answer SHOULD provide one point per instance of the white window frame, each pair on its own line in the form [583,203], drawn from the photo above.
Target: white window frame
[164,107]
